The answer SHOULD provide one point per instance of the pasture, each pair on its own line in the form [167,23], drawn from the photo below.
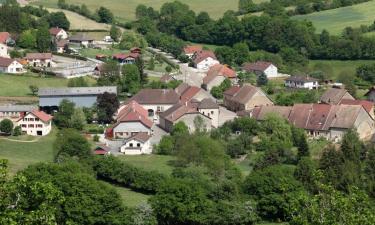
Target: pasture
[335,20]
[124,10]
[160,163]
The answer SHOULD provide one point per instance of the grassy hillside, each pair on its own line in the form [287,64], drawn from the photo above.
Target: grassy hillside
[124,10]
[336,20]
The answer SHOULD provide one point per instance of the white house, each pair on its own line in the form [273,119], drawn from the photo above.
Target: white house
[302,82]
[210,109]
[204,59]
[260,67]
[137,145]
[4,51]
[8,65]
[190,50]
[58,33]
[15,112]
[36,123]
[39,59]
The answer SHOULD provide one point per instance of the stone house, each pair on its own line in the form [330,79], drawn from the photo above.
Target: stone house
[333,96]
[188,92]
[217,74]
[58,33]
[190,50]
[246,97]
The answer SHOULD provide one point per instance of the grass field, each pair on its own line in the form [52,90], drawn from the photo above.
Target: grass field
[90,52]
[124,10]
[131,198]
[18,85]
[22,154]
[159,163]
[336,20]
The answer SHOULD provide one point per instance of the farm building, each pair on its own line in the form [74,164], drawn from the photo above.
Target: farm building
[58,33]
[302,82]
[15,112]
[36,123]
[50,98]
[190,50]
[217,74]
[81,39]
[126,58]
[333,96]
[39,59]
[138,144]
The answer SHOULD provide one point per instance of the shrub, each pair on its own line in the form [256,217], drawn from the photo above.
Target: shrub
[17,131]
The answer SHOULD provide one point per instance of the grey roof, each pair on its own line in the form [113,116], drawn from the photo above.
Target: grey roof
[17,108]
[80,37]
[303,79]
[208,103]
[333,96]
[76,91]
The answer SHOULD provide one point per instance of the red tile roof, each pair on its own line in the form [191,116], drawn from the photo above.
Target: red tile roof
[202,55]
[367,105]
[178,110]
[156,96]
[219,70]
[55,30]
[191,49]
[5,62]
[41,115]
[4,36]
[189,93]
[122,56]
[257,66]
[134,112]
[141,136]
[232,91]
[41,56]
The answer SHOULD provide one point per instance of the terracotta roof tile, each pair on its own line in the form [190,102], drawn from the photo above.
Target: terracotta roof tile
[4,36]
[257,66]
[41,56]
[367,105]
[55,30]
[219,70]
[202,55]
[156,96]
[191,49]
[42,115]
[333,96]
[5,62]
[141,136]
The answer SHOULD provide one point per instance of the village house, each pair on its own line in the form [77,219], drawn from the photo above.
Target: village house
[131,120]
[8,65]
[333,96]
[217,74]
[58,33]
[126,58]
[367,105]
[50,98]
[36,123]
[155,101]
[371,94]
[137,144]
[39,59]
[190,50]
[261,67]
[61,46]
[204,59]
[302,82]
[187,92]
[246,97]
[4,38]
[15,112]
[186,112]
[81,39]
[4,50]
[208,107]
[322,120]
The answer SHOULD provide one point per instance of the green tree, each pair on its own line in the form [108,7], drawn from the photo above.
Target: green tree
[58,19]
[70,143]
[300,141]
[131,78]
[151,64]
[78,119]
[115,33]
[107,104]
[168,68]
[332,164]
[165,146]
[78,82]
[246,6]
[43,39]
[34,89]
[105,15]
[241,52]
[6,126]
[305,173]
[262,80]
[180,129]
[369,172]
[63,117]
[27,39]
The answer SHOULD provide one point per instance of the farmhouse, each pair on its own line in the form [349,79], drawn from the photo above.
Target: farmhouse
[204,59]
[155,101]
[187,93]
[15,112]
[367,105]
[81,39]
[8,65]
[137,144]
[50,98]
[39,59]
[261,67]
[58,33]
[36,123]
[190,50]
[323,120]
[126,58]
[302,82]
[4,51]
[333,96]
[186,112]
[246,97]
[131,120]
[216,75]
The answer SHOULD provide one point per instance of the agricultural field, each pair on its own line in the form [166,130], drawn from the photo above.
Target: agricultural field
[335,20]
[160,163]
[131,198]
[124,10]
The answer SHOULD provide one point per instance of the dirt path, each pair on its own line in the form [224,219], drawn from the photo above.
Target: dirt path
[20,141]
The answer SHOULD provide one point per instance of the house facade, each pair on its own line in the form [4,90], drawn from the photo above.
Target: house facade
[190,50]
[261,67]
[246,97]
[15,112]
[138,144]
[81,39]
[8,65]
[39,59]
[36,123]
[58,33]
[187,92]
[303,82]
[217,74]
[4,50]
[209,108]
[333,96]
[204,59]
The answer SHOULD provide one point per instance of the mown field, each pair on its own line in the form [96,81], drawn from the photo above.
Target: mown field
[124,10]
[336,20]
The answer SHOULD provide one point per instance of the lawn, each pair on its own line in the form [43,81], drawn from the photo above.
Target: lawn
[22,154]
[335,20]
[91,53]
[152,162]
[18,85]
[124,10]
[131,198]
[316,147]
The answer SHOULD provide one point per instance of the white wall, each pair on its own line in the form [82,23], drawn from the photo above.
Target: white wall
[271,71]
[14,67]
[129,128]
[307,85]
[207,63]
[4,51]
[213,114]
[143,148]
[26,125]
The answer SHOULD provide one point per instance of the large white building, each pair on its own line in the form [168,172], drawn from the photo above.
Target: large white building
[137,145]
[36,123]
[10,66]
[204,59]
[260,67]
[39,59]
[302,82]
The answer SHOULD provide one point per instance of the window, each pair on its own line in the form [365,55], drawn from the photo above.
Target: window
[31,119]
[212,112]
[36,119]
[138,145]
[39,125]
[24,125]
[31,125]
[131,145]
[151,112]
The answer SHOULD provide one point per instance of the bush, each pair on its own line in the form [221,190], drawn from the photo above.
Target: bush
[95,138]
[6,126]
[17,131]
